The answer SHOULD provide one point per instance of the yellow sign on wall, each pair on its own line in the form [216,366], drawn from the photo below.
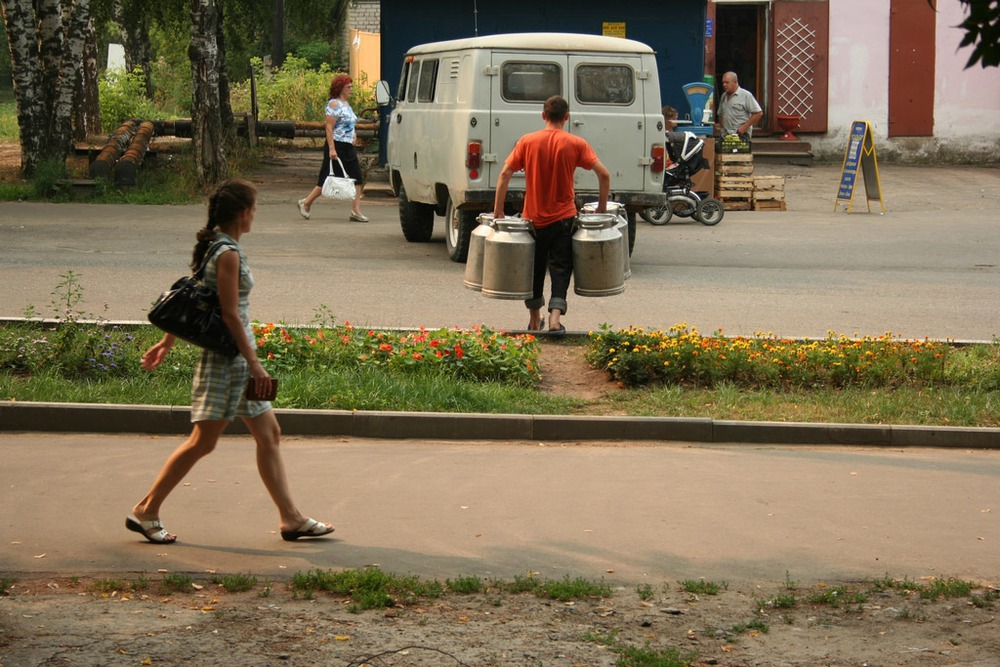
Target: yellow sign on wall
[613,29]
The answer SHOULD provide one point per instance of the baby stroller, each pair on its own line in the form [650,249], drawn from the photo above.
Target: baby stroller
[684,149]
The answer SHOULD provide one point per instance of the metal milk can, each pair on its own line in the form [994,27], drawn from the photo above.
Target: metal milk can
[477,244]
[598,262]
[617,209]
[509,260]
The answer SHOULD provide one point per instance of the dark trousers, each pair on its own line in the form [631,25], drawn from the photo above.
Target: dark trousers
[553,253]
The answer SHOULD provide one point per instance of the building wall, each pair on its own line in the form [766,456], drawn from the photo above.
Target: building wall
[966,104]
[365,15]
[675,30]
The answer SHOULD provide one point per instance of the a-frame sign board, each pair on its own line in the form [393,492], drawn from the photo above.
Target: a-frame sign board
[860,152]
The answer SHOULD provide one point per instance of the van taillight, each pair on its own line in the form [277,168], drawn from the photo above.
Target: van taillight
[657,155]
[473,158]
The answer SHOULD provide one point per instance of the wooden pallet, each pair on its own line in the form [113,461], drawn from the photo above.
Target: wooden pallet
[737,204]
[759,205]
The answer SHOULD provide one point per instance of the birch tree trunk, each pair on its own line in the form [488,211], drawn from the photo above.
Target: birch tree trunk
[133,29]
[46,51]
[206,122]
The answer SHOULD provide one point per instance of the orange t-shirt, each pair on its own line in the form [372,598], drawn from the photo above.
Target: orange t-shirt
[549,158]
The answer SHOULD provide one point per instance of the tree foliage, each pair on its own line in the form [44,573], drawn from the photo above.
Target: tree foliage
[982,32]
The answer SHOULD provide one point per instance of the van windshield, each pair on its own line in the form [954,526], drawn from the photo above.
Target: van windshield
[531,82]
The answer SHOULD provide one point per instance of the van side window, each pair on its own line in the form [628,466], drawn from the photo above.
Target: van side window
[428,77]
[530,82]
[404,77]
[605,84]
[412,80]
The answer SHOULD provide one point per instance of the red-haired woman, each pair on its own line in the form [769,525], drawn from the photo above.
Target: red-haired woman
[340,122]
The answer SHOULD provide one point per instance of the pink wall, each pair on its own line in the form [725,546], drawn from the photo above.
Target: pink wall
[967,102]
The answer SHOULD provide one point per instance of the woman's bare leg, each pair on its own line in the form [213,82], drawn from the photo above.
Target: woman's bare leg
[267,433]
[204,436]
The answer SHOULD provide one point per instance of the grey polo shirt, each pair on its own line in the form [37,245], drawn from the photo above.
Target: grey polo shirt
[736,109]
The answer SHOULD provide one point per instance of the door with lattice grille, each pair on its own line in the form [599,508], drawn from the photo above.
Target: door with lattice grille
[800,38]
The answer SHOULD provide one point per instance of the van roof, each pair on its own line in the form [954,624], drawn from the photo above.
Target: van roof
[541,41]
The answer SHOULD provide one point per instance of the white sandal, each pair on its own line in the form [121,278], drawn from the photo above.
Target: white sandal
[302,209]
[151,530]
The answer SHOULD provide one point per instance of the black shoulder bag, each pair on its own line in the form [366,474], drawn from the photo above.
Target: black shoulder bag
[191,311]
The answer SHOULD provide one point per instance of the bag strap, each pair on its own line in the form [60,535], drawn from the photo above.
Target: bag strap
[212,249]
[342,169]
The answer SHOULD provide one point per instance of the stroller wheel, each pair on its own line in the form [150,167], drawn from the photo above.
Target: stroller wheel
[657,215]
[710,211]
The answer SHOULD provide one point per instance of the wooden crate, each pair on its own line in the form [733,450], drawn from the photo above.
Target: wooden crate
[735,169]
[737,204]
[733,158]
[759,205]
[733,187]
[769,188]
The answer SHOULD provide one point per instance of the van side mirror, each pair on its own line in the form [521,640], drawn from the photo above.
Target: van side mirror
[382,95]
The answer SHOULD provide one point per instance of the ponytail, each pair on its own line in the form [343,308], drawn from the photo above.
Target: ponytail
[229,200]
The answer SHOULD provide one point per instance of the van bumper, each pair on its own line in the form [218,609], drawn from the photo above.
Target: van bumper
[633,201]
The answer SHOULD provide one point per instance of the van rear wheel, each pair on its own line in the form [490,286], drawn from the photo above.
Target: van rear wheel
[416,219]
[458,231]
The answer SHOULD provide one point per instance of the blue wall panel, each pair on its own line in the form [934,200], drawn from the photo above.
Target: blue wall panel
[675,29]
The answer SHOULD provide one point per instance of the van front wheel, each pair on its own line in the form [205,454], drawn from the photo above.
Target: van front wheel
[416,219]
[458,230]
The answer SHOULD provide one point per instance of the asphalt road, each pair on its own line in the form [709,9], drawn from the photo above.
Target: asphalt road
[626,513]
[929,267]
[629,512]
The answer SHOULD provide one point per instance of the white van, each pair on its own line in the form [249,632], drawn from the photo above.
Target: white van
[462,104]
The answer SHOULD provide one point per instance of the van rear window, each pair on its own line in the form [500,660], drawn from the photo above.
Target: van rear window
[530,82]
[605,84]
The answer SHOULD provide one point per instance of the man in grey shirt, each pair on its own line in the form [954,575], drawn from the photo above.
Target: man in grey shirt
[738,110]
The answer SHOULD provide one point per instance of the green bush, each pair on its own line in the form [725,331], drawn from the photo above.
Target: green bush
[295,91]
[318,54]
[123,96]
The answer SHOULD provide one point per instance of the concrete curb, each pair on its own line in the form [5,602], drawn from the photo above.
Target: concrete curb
[101,418]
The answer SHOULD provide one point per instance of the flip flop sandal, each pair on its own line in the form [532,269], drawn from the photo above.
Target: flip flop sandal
[560,330]
[311,528]
[151,530]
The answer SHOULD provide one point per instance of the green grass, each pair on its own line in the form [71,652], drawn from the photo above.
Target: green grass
[235,583]
[702,587]
[176,583]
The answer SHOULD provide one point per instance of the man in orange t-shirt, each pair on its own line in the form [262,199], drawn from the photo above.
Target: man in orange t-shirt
[549,157]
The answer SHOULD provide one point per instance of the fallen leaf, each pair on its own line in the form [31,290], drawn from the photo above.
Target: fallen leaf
[465,507]
[147,661]
[208,607]
[40,556]
[610,571]
[463,619]
[342,638]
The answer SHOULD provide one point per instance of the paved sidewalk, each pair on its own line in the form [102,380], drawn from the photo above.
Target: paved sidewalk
[628,512]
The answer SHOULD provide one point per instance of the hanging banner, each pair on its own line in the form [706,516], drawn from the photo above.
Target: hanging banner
[860,153]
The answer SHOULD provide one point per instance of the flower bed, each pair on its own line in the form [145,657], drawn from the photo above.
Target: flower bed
[478,354]
[681,355]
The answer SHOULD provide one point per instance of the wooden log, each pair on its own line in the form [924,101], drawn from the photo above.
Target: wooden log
[104,164]
[127,168]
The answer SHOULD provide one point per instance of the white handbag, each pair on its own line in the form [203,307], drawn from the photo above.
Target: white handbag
[336,187]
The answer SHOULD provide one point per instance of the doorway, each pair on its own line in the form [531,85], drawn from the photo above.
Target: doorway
[740,45]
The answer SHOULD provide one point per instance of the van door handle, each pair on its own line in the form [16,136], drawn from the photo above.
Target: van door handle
[577,122]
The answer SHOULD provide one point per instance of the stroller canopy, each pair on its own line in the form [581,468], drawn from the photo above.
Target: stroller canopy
[683,147]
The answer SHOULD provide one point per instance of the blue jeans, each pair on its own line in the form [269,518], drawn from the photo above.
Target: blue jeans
[554,252]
